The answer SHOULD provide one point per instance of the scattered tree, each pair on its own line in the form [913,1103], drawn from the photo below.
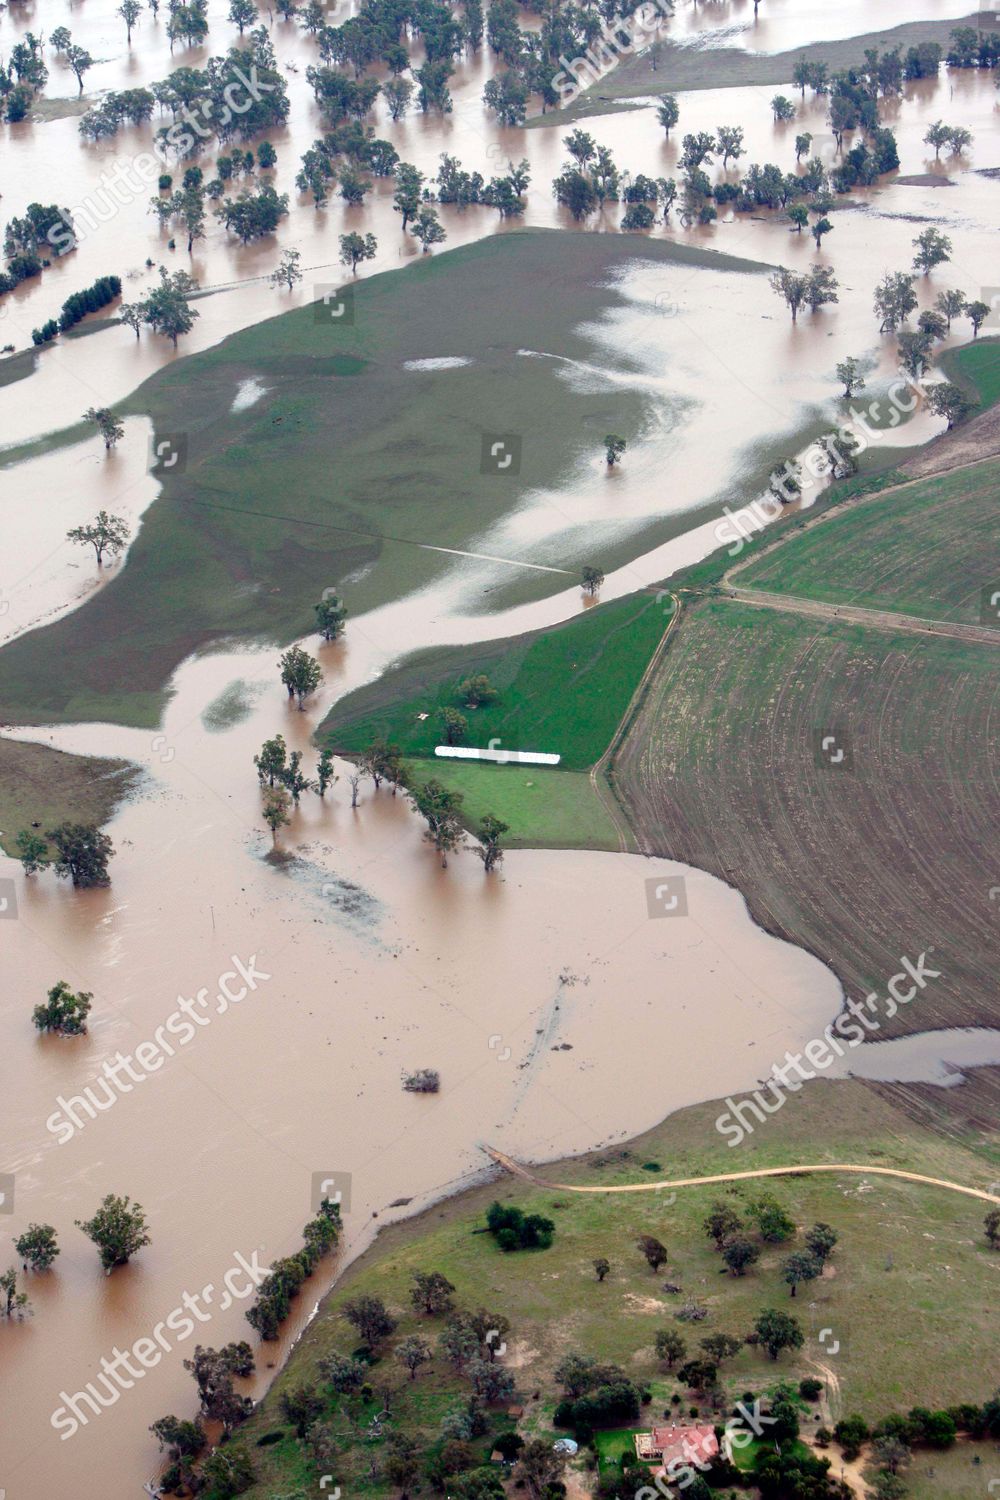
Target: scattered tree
[670,1347]
[431,1293]
[950,401]
[601,1267]
[82,853]
[63,1012]
[933,249]
[740,1253]
[108,425]
[800,1266]
[370,1317]
[489,848]
[287,272]
[106,533]
[300,673]
[37,1247]
[31,851]
[777,1330]
[118,1229]
[331,613]
[653,1250]
[356,247]
[275,810]
[850,377]
[413,1352]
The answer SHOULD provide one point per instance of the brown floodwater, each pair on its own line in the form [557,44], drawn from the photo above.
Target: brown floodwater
[558,1012]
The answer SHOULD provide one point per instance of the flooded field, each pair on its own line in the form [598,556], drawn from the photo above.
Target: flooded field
[559,1014]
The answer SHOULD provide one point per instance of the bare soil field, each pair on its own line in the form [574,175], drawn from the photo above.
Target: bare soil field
[889,852]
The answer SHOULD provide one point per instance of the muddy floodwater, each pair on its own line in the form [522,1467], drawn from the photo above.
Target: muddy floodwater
[560,1013]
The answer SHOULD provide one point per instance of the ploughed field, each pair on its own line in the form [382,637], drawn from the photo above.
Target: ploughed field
[888,849]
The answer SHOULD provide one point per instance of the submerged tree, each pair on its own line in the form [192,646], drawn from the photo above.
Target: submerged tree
[82,853]
[106,533]
[107,424]
[489,849]
[63,1012]
[300,673]
[441,810]
[118,1229]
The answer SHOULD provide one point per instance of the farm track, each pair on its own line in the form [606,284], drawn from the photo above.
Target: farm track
[796,1170]
[876,619]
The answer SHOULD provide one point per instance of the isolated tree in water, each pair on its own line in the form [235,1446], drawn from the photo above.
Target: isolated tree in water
[325,774]
[850,377]
[287,272]
[300,673]
[355,247]
[37,1247]
[440,808]
[895,299]
[63,1012]
[592,579]
[489,848]
[614,447]
[271,761]
[668,112]
[107,424]
[933,249]
[12,1302]
[82,853]
[106,533]
[331,613]
[118,1229]
[130,11]
[427,228]
[275,810]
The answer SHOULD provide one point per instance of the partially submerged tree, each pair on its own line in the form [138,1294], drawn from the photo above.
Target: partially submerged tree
[300,673]
[275,810]
[37,1247]
[489,848]
[106,533]
[287,271]
[63,1012]
[850,377]
[108,425]
[118,1229]
[441,810]
[82,853]
[331,615]
[614,447]
[591,579]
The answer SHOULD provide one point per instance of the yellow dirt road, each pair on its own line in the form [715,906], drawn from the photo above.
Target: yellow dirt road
[517,1170]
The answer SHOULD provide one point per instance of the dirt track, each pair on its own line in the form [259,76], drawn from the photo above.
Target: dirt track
[799,1170]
